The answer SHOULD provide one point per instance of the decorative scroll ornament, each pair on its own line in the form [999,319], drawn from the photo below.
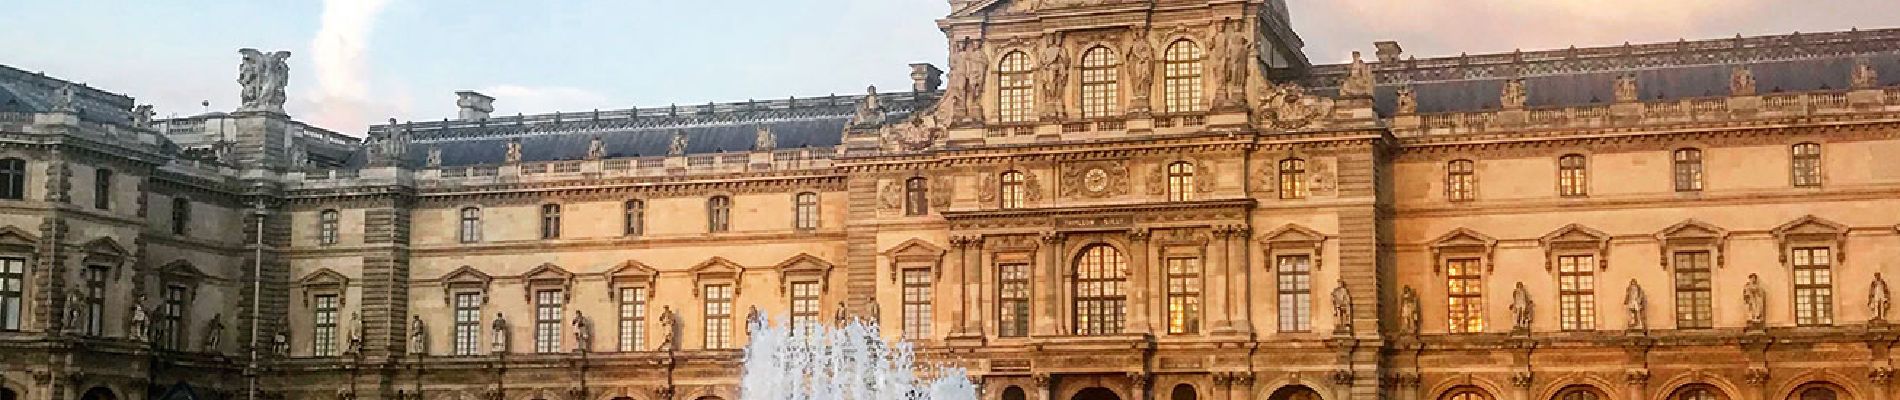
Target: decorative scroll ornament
[1288,106]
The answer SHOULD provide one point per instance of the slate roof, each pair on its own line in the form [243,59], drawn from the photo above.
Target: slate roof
[709,128]
[27,92]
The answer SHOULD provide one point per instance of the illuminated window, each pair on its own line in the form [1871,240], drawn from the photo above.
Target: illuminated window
[471,225]
[1012,306]
[1694,305]
[1688,170]
[633,318]
[804,305]
[1460,180]
[1181,72]
[1184,295]
[1572,177]
[324,337]
[718,214]
[547,321]
[1576,285]
[916,303]
[326,227]
[805,211]
[1012,190]
[1466,393]
[633,218]
[551,221]
[1181,181]
[1099,298]
[1807,165]
[718,312]
[1292,178]
[1295,276]
[1465,295]
[102,189]
[1101,96]
[916,197]
[1015,88]
[1813,286]
[468,322]
[1580,392]
[12,289]
[12,179]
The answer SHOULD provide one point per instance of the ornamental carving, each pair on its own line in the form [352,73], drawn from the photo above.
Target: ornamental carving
[917,134]
[1625,90]
[1741,82]
[1288,106]
[1406,101]
[1513,94]
[941,190]
[1094,179]
[1032,186]
[891,196]
[986,192]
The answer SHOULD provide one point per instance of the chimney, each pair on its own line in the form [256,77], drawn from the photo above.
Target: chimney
[925,77]
[475,106]
[1389,51]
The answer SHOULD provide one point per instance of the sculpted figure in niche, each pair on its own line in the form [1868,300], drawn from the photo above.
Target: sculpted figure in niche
[280,340]
[498,331]
[678,146]
[669,328]
[1756,299]
[1342,307]
[1521,308]
[514,151]
[1140,57]
[1055,68]
[1408,310]
[1741,82]
[1636,302]
[1406,102]
[140,324]
[968,67]
[73,302]
[583,332]
[356,335]
[418,336]
[1879,299]
[1235,52]
[214,333]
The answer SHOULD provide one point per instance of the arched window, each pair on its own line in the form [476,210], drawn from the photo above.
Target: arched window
[326,227]
[916,196]
[1292,178]
[1573,180]
[718,214]
[1181,74]
[1813,285]
[1815,391]
[1294,392]
[1101,94]
[1580,392]
[1464,299]
[1698,391]
[634,217]
[1015,88]
[1182,392]
[805,211]
[12,179]
[1099,298]
[1688,164]
[1466,393]
[1460,180]
[1014,393]
[102,189]
[1012,192]
[1181,181]
[1807,165]
[471,225]
[551,221]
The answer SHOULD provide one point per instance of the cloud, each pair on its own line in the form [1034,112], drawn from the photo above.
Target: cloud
[1429,28]
[340,56]
[510,99]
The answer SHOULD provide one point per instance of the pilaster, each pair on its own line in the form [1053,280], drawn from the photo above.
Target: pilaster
[1218,307]
[1238,276]
[385,301]
[1139,318]
[1048,292]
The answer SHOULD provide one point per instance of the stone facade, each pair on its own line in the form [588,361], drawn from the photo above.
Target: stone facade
[1190,210]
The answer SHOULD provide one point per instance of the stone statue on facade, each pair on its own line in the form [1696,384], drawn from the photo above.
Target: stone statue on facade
[1342,307]
[513,156]
[1864,76]
[1055,75]
[1635,302]
[1405,101]
[263,77]
[1625,89]
[1140,59]
[596,149]
[874,315]
[1741,82]
[142,116]
[669,329]
[280,340]
[1879,299]
[498,331]
[583,332]
[678,146]
[1756,300]
[418,336]
[1513,95]
[1408,311]
[1522,309]
[214,333]
[970,66]
[139,327]
[870,109]
[753,317]
[838,315]
[764,139]
[1359,80]
[435,157]
[1235,54]
[74,299]
[65,99]
[355,343]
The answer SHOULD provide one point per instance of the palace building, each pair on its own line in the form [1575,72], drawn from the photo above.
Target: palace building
[1098,200]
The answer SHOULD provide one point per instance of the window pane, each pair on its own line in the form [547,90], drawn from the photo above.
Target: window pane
[1099,299]
[1295,293]
[1013,299]
[917,316]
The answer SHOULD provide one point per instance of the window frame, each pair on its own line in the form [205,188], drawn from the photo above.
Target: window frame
[1805,164]
[174,305]
[1700,309]
[550,310]
[1812,268]
[13,178]
[1015,88]
[1573,175]
[1292,176]
[1100,88]
[13,272]
[633,217]
[1183,85]
[1576,291]
[102,189]
[1465,307]
[805,211]
[1099,295]
[916,294]
[1293,289]
[1688,169]
[916,196]
[716,302]
[1013,291]
[1461,180]
[96,283]
[324,323]
[1181,181]
[1184,279]
[806,304]
[1012,191]
[719,214]
[466,314]
[327,221]
[550,221]
[470,225]
[632,313]
[181,216]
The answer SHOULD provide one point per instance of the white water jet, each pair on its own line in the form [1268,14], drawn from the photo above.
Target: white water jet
[850,362]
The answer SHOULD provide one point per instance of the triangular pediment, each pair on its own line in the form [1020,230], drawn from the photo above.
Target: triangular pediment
[717,265]
[181,269]
[631,268]
[1463,237]
[105,246]
[1574,233]
[803,263]
[914,248]
[324,276]
[548,271]
[466,275]
[1809,225]
[14,236]
[1292,233]
[1692,229]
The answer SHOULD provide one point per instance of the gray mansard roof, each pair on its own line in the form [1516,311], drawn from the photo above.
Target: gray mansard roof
[26,92]
[817,123]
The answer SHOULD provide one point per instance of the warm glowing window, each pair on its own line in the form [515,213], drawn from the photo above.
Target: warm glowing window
[916,303]
[1694,304]
[718,312]
[1464,295]
[326,227]
[1466,393]
[547,321]
[1460,180]
[1579,392]
[551,221]
[805,211]
[1688,164]
[1807,165]
[1015,88]
[1100,75]
[1572,176]
[1576,285]
[633,318]
[1012,191]
[718,214]
[1813,286]
[1012,306]
[1295,285]
[1181,181]
[1184,295]
[1292,178]
[1100,301]
[1181,72]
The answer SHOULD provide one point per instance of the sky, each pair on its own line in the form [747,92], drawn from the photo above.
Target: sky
[358,62]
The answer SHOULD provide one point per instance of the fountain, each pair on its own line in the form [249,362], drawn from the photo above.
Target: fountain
[848,362]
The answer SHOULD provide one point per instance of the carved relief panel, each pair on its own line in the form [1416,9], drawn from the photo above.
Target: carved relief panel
[1094,179]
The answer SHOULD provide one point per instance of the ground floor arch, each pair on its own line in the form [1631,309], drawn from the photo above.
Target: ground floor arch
[8,394]
[1467,392]
[1294,392]
[99,393]
[1096,393]
[1820,390]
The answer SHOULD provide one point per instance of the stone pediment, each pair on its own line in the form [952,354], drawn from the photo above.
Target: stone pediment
[1575,238]
[464,279]
[803,266]
[1692,229]
[183,270]
[1462,242]
[14,237]
[104,252]
[1810,227]
[912,253]
[718,268]
[324,280]
[1295,238]
[632,274]
[1693,234]
[547,272]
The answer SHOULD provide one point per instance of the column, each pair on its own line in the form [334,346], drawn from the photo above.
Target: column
[1047,294]
[1637,381]
[1139,320]
[1041,391]
[972,286]
[1239,276]
[1215,276]
[958,246]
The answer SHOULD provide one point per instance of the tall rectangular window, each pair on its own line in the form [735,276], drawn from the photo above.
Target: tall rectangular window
[718,214]
[1011,191]
[1015,89]
[551,221]
[805,211]
[1293,178]
[1184,295]
[635,218]
[326,227]
[171,318]
[1807,165]
[95,322]
[1577,288]
[1295,276]
[471,225]
[468,323]
[102,189]
[718,299]
[323,338]
[1573,178]
[12,289]
[1460,180]
[1181,184]
[1012,305]
[1100,73]
[1695,308]
[1688,164]
[917,303]
[804,305]
[633,318]
[1465,295]
[181,215]
[12,179]
[916,199]
[1181,76]
[547,321]
[1813,286]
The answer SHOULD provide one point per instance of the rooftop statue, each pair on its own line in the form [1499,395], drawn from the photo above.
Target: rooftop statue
[263,77]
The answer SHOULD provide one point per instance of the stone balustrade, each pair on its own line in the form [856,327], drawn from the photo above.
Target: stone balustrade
[1873,103]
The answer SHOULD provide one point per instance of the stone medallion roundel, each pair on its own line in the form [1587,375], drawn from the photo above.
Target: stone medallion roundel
[1095,180]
